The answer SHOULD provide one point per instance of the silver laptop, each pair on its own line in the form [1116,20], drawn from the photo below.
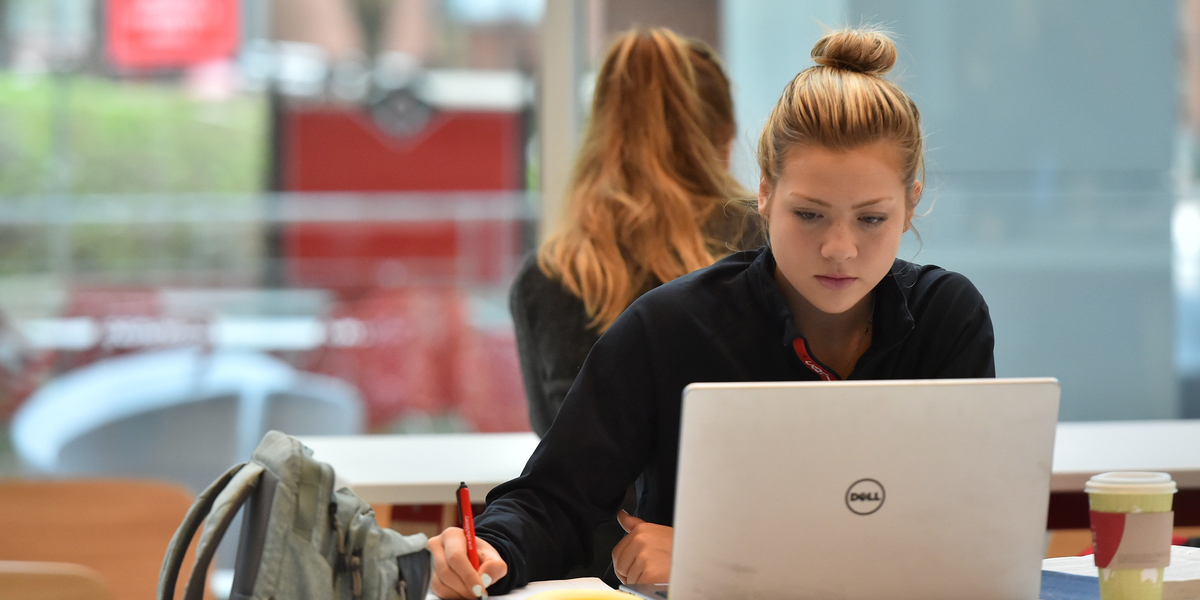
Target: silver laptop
[863,490]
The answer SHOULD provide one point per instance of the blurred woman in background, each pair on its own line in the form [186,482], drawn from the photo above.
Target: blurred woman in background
[650,199]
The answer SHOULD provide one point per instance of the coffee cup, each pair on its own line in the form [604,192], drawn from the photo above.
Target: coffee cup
[1131,523]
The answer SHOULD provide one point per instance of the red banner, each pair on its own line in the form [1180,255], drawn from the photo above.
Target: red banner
[170,33]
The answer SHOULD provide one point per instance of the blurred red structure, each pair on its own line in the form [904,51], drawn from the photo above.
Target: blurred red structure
[412,350]
[337,150]
[402,280]
[150,34]
[341,149]
[491,392]
[400,353]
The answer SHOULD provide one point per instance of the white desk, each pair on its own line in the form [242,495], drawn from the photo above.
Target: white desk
[423,469]
[426,469]
[1082,449]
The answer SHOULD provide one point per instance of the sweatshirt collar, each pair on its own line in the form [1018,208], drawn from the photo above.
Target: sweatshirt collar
[893,320]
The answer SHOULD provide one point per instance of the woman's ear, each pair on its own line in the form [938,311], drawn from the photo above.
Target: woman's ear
[911,206]
[764,196]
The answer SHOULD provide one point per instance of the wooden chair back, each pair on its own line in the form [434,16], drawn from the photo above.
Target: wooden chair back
[50,581]
[120,528]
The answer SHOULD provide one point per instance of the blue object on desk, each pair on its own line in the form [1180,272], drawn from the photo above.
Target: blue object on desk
[1057,585]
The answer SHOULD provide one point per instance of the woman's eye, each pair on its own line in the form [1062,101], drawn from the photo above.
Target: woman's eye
[807,215]
[872,220]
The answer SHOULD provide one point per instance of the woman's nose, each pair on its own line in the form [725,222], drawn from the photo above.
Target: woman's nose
[839,244]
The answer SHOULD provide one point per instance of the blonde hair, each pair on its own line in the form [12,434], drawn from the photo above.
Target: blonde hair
[649,198]
[842,103]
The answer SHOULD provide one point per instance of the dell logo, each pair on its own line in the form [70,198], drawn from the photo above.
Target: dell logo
[865,496]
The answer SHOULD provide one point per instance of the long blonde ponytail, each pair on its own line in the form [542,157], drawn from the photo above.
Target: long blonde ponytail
[650,195]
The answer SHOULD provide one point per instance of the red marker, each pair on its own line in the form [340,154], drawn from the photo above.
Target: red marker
[467,520]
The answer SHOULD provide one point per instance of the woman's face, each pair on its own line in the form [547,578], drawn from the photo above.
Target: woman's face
[835,220]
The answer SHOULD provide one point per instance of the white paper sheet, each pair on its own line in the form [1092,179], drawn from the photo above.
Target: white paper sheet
[582,583]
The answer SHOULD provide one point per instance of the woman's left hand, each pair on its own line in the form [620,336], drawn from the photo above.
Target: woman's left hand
[644,555]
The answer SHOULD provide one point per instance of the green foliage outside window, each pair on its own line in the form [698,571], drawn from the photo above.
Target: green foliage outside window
[126,137]
[128,165]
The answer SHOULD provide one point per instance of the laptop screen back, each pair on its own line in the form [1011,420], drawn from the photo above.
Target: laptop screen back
[856,490]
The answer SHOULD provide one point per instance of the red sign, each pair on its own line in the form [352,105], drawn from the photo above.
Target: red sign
[170,33]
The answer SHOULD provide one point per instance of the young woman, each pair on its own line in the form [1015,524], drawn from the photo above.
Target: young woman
[841,162]
[650,199]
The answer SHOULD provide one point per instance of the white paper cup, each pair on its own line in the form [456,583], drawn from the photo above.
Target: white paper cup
[1131,523]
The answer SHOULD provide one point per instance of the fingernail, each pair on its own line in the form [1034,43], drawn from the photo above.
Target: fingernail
[478,591]
[487,580]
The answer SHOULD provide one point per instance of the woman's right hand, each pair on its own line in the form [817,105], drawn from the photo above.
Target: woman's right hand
[453,575]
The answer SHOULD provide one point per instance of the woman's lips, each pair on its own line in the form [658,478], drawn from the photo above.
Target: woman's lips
[836,282]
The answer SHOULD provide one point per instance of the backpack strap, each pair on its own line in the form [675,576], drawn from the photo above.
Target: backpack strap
[173,560]
[224,509]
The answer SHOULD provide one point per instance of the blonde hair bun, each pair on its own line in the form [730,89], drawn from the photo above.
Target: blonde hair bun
[866,51]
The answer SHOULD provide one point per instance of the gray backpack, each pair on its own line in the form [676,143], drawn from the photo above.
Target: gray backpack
[300,540]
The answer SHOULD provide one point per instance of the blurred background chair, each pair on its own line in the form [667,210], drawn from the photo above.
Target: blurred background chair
[181,415]
[119,528]
[22,580]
